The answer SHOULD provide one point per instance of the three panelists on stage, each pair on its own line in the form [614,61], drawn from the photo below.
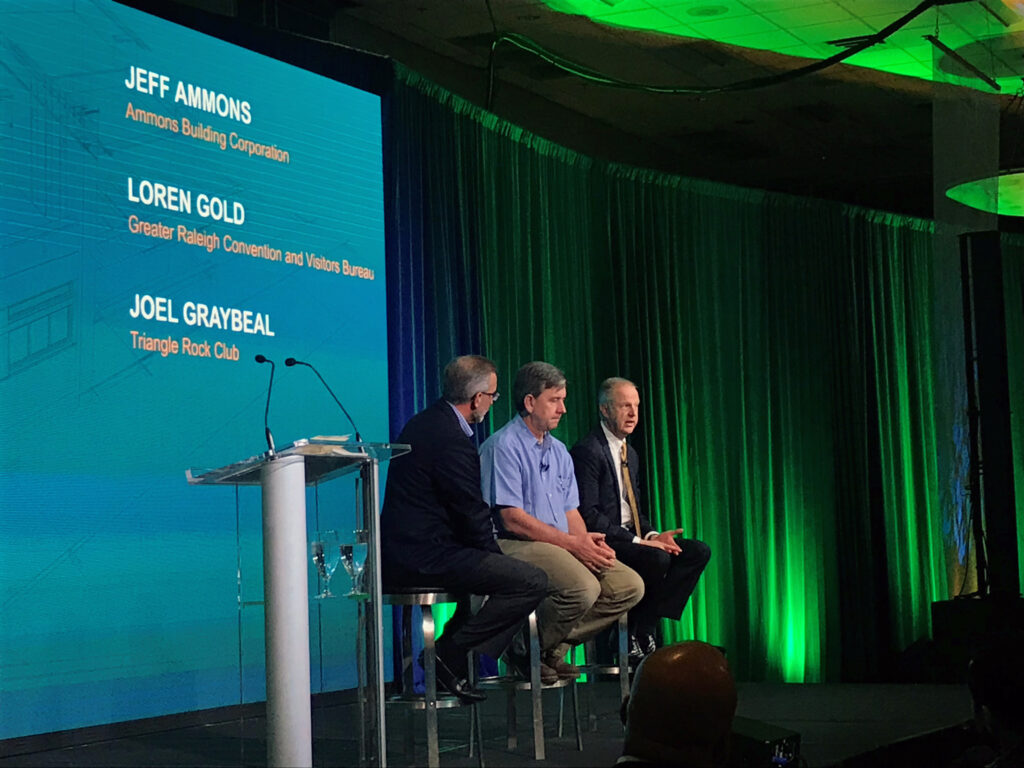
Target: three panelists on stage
[530,524]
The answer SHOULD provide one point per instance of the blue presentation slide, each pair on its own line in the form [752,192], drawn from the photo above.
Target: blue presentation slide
[170,207]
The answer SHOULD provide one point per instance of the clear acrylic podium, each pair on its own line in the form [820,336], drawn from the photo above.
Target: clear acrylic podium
[283,478]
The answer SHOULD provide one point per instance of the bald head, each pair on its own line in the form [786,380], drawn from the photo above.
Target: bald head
[681,707]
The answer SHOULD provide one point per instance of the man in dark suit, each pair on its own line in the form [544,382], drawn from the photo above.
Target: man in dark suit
[608,473]
[436,529]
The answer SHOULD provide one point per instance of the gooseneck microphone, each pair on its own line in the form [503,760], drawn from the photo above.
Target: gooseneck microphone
[266,411]
[292,361]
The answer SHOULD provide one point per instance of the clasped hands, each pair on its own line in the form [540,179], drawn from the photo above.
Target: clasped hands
[593,551]
[665,541]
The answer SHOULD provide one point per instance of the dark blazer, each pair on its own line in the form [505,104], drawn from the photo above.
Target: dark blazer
[599,487]
[434,519]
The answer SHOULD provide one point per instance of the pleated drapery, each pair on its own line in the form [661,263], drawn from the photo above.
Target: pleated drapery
[783,348]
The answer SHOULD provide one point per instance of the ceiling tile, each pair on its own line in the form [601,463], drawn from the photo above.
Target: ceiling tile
[772,40]
[770,6]
[643,18]
[823,33]
[891,8]
[725,30]
[974,17]
[696,10]
[597,8]
[805,17]
[600,10]
[734,13]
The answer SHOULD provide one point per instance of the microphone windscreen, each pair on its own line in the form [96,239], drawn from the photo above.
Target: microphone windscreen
[260,359]
[290,361]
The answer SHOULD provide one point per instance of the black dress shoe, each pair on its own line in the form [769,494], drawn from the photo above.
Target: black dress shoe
[647,643]
[458,686]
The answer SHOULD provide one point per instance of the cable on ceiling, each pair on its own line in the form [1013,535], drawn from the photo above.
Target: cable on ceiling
[592,75]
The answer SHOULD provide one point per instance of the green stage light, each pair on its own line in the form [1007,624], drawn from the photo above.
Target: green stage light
[1002,193]
[983,35]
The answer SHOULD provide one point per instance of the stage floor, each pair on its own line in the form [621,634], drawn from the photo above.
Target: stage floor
[835,723]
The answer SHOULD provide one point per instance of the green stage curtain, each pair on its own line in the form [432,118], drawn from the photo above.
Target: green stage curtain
[783,350]
[1013,288]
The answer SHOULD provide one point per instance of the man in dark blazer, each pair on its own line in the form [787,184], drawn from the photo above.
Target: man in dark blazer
[436,529]
[670,565]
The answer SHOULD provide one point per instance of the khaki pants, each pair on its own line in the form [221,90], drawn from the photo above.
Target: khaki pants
[579,603]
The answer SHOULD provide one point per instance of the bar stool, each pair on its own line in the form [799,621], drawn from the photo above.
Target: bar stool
[595,670]
[511,684]
[428,701]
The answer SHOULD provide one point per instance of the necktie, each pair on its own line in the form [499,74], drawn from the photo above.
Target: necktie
[627,484]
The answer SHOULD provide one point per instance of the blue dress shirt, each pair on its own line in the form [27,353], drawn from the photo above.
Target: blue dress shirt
[466,429]
[518,471]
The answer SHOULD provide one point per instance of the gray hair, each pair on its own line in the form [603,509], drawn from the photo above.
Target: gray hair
[532,379]
[464,376]
[608,387]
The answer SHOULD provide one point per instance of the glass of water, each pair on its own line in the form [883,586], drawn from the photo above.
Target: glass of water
[326,554]
[353,557]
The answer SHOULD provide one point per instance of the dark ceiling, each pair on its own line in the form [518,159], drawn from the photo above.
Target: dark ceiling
[844,133]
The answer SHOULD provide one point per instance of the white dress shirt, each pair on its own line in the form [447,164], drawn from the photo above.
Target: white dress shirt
[625,513]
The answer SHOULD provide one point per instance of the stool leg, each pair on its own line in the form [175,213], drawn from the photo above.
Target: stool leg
[590,659]
[476,742]
[476,736]
[361,678]
[535,690]
[623,658]
[479,734]
[576,716]
[408,660]
[561,712]
[473,719]
[430,679]
[408,680]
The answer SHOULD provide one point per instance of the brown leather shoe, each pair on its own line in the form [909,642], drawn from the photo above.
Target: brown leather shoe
[562,668]
[548,676]
[521,666]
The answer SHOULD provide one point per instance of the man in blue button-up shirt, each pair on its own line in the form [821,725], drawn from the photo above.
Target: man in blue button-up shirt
[527,477]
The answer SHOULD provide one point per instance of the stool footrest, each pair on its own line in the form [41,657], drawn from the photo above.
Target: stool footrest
[419,701]
[516,683]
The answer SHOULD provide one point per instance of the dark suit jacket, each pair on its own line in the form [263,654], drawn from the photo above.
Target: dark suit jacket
[434,519]
[600,503]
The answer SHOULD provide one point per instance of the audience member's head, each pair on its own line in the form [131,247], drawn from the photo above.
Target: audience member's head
[681,707]
[996,680]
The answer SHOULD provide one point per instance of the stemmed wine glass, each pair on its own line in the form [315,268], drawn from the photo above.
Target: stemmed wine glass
[353,557]
[326,554]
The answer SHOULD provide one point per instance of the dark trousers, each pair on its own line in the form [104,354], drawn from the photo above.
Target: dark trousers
[669,580]
[513,589]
